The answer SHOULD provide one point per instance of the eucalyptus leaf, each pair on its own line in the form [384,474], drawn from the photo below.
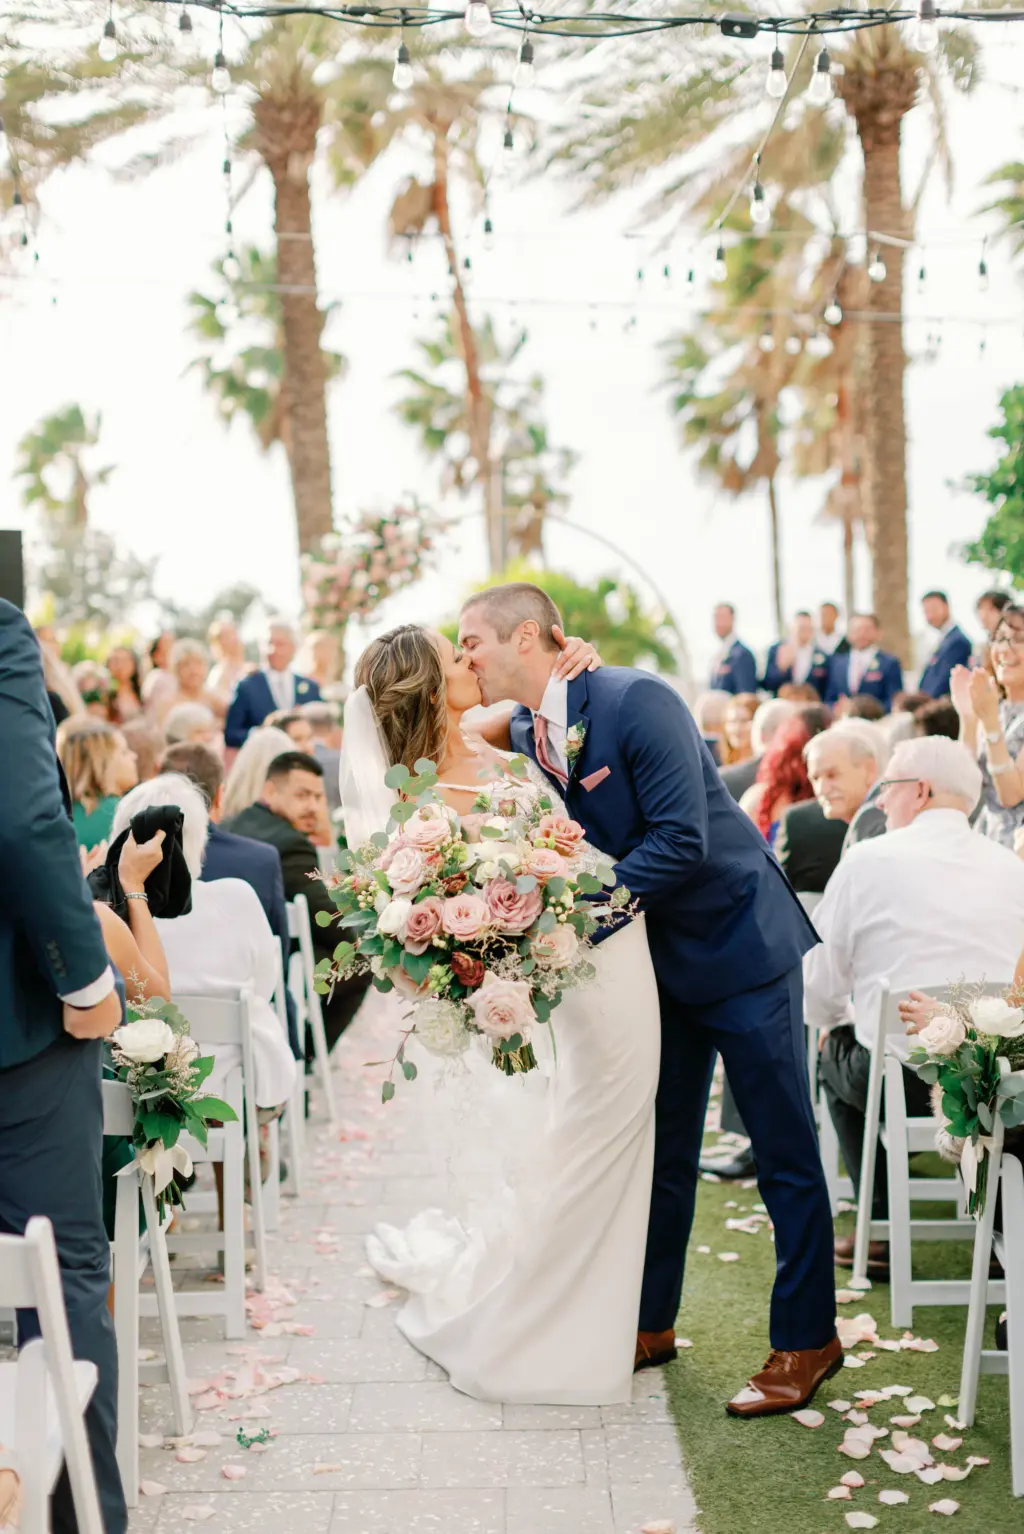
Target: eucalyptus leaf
[492,833]
[323,918]
[402,811]
[525,883]
[379,839]
[397,776]
[555,888]
[547,922]
[409,1070]
[528,966]
[424,765]
[387,1091]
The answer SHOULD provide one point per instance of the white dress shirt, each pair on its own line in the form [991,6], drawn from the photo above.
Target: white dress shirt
[282,686]
[554,709]
[829,642]
[925,906]
[861,662]
[803,660]
[940,634]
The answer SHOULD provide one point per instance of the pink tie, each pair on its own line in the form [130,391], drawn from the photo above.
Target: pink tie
[540,735]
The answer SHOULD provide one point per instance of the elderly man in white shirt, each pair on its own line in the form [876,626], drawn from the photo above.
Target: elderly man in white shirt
[923,905]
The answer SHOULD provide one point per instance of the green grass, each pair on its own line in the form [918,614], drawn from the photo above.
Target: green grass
[771,1476]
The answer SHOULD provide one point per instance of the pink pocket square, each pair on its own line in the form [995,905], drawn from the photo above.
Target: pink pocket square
[595,778]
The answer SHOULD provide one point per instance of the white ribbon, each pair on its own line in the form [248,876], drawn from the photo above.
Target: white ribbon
[161,1163]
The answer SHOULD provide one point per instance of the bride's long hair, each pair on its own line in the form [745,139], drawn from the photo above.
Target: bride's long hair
[404,679]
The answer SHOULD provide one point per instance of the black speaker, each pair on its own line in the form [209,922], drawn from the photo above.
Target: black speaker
[12,567]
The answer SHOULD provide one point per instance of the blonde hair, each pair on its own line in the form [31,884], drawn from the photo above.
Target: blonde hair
[249,770]
[59,680]
[730,754]
[404,677]
[87,748]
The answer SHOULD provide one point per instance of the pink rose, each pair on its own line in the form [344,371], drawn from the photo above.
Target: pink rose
[464,917]
[510,911]
[423,924]
[556,950]
[394,846]
[544,863]
[561,833]
[502,1007]
[407,871]
[427,831]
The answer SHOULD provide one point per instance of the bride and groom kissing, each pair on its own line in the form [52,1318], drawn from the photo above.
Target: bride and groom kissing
[582,1287]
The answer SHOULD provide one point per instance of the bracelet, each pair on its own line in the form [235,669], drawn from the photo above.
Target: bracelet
[136,895]
[993,736]
[998,770]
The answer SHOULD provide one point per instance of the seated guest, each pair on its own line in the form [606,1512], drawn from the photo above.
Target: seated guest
[867,670]
[843,763]
[950,645]
[734,744]
[782,776]
[287,816]
[295,725]
[797,659]
[229,662]
[125,684]
[190,667]
[937,717]
[734,668]
[192,724]
[235,857]
[766,722]
[275,686]
[709,715]
[798,692]
[326,746]
[223,944]
[99,767]
[248,772]
[926,903]
[865,707]
[147,744]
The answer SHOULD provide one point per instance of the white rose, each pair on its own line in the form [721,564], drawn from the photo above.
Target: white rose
[144,1041]
[391,921]
[943,1035]
[440,1028]
[485,871]
[186,1049]
[510,856]
[991,1015]
[381,902]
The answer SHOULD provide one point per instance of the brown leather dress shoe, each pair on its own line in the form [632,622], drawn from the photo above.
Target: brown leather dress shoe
[878,1255]
[654,1349]
[787,1381]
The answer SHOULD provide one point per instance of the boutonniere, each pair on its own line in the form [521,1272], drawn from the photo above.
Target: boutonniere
[302,687]
[574,739]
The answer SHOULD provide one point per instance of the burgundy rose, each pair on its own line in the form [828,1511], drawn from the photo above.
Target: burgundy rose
[423,924]
[467,970]
[510,911]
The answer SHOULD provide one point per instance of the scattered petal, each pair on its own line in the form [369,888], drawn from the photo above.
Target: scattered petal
[683,1342]
[189,1456]
[854,1447]
[900,1464]
[947,1507]
[861,1520]
[920,1403]
[862,1284]
[931,1475]
[658,1526]
[152,1488]
[893,1498]
[846,1296]
[705,1251]
[151,1440]
[904,1421]
[840,1494]
[233,1472]
[851,1362]
[949,1400]
[857,1417]
[954,1472]
[728,1256]
[839,1406]
[378,1301]
[808,1418]
[944,1442]
[898,1390]
[852,1478]
[977,1459]
[146,1355]
[955,1423]
[887,1347]
[198,1512]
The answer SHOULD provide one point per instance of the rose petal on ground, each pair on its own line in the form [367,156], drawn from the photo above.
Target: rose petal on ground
[658,1526]
[931,1475]
[378,1301]
[233,1472]
[949,1400]
[857,1417]
[852,1478]
[922,1345]
[854,1447]
[977,1459]
[728,1256]
[898,1390]
[151,1440]
[861,1284]
[839,1406]
[189,1456]
[900,1464]
[198,1512]
[852,1362]
[683,1342]
[152,1488]
[904,1421]
[893,1498]
[705,1251]
[808,1418]
[887,1347]
[861,1520]
[208,1400]
[947,1507]
[915,1446]
[954,1472]
[944,1442]
[920,1403]
[840,1494]
[146,1355]
[846,1296]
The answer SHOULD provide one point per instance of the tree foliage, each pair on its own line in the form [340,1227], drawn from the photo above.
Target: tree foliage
[87,579]
[54,464]
[1000,545]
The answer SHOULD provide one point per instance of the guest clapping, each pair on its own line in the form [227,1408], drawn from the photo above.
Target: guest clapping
[991,709]
[99,767]
[158,685]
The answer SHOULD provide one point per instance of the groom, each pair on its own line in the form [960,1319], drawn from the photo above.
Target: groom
[727,935]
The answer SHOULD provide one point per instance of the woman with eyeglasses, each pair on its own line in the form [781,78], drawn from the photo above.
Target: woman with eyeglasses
[990,704]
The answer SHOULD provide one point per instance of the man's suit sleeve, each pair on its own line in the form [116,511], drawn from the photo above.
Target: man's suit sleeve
[662,748]
[744,671]
[893,681]
[42,888]
[236,725]
[773,677]
[833,689]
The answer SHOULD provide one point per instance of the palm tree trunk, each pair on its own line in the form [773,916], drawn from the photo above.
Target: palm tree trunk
[773,510]
[478,408]
[849,572]
[286,130]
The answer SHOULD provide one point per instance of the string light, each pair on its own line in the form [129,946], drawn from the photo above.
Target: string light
[403,76]
[920,279]
[777,84]
[924,36]
[184,20]
[108,42]
[877,270]
[767,342]
[794,345]
[719,271]
[760,212]
[522,79]
[220,78]
[833,314]
[820,345]
[478,18]
[819,92]
[983,270]
[488,234]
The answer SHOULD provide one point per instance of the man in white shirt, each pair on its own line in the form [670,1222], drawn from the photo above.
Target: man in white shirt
[275,686]
[925,904]
[830,636]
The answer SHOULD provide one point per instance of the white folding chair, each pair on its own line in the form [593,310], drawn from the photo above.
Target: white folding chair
[327,859]
[294,1122]
[217,1021]
[44,1395]
[902,1136]
[132,1253]
[1005,1173]
[303,985]
[838,1185]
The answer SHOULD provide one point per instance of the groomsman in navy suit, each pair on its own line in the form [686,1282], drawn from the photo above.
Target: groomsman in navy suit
[275,686]
[866,670]
[953,648]
[797,659]
[734,669]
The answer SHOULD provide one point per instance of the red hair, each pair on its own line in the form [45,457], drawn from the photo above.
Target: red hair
[783,771]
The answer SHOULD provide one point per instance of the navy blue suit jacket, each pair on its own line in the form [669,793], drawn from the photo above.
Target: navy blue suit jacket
[737,673]
[253,701]
[50,939]
[775,676]
[955,650]
[722,918]
[239,857]
[882,680]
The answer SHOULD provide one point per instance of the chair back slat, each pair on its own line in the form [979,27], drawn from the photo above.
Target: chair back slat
[889,1001]
[17,1283]
[118,1113]
[214,1019]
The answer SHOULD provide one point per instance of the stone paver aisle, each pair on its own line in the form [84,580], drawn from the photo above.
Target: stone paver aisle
[370,1438]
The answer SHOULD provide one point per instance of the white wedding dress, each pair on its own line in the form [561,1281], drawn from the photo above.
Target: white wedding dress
[527,1287]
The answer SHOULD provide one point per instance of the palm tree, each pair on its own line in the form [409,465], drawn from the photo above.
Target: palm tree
[1009,205]
[53,461]
[241,336]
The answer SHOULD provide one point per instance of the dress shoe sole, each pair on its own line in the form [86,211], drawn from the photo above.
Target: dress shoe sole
[783,1410]
[655,1360]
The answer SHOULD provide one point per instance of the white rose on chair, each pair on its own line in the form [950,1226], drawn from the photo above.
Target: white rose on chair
[145,1041]
[991,1015]
[943,1035]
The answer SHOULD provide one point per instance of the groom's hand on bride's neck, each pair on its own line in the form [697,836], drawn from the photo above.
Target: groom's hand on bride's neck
[577,656]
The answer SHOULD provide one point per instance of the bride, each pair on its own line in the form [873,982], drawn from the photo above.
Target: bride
[536,1298]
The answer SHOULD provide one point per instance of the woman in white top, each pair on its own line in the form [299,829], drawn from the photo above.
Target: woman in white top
[224,943]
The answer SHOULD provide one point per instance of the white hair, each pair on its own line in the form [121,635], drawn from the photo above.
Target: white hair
[249,771]
[768,720]
[276,625]
[710,710]
[170,788]
[187,649]
[863,740]
[945,765]
[183,718]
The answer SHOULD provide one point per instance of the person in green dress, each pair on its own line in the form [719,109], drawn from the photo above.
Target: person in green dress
[100,768]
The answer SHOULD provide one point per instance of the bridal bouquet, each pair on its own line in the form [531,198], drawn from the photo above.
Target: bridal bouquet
[959,1052]
[482,935]
[164,1071]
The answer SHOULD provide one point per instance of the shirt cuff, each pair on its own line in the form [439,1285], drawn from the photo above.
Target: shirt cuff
[91,995]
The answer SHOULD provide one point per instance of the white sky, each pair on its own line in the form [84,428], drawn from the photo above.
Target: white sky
[104,325]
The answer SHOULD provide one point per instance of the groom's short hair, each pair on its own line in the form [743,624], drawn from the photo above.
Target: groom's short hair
[506,607]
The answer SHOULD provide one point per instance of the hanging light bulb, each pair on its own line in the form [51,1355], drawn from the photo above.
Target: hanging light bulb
[184,20]
[983,272]
[508,143]
[488,234]
[220,78]
[108,43]
[924,36]
[820,345]
[776,83]
[719,270]
[877,270]
[760,212]
[920,280]
[524,71]
[231,267]
[794,345]
[833,314]
[819,92]
[478,18]
[403,75]
[767,342]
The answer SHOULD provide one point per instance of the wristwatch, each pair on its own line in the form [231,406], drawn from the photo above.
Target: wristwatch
[992,736]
